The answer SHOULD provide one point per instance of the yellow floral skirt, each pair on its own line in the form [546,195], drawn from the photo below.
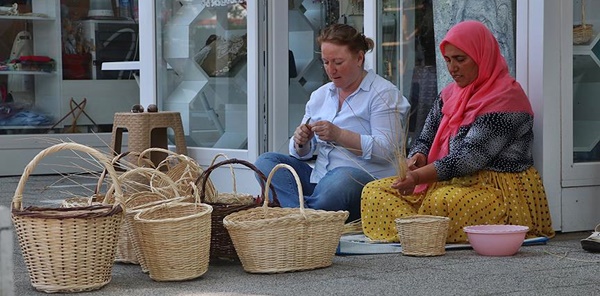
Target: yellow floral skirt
[486,197]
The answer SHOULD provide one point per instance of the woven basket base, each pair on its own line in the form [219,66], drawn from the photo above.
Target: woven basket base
[423,235]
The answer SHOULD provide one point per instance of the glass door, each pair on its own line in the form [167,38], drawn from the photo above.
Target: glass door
[581,121]
[408,55]
[408,32]
[205,58]
[294,68]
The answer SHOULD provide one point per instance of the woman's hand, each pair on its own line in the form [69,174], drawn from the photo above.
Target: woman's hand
[406,186]
[303,134]
[416,161]
[326,131]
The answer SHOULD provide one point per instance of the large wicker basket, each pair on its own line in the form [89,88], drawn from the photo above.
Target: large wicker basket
[273,240]
[423,235]
[175,240]
[57,243]
[221,245]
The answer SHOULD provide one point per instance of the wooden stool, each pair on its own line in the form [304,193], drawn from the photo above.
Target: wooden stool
[148,130]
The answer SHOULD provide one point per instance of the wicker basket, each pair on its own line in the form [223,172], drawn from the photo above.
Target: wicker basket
[273,240]
[423,235]
[583,33]
[135,204]
[221,245]
[175,240]
[57,243]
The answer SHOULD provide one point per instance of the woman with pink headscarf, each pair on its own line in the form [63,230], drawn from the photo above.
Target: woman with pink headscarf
[472,162]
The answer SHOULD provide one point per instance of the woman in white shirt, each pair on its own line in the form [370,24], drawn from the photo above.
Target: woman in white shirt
[351,123]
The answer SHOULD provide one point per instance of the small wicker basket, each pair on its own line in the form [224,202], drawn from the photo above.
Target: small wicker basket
[126,248]
[274,240]
[423,235]
[175,240]
[583,33]
[136,203]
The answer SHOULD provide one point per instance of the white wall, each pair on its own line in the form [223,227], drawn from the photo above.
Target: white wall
[542,77]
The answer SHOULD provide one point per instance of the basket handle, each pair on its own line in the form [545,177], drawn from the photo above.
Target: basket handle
[113,162]
[232,171]
[205,176]
[143,154]
[17,202]
[298,184]
[583,13]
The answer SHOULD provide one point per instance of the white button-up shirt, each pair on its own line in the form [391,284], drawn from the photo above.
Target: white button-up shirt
[376,110]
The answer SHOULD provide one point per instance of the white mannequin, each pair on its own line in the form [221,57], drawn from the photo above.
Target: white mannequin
[18,85]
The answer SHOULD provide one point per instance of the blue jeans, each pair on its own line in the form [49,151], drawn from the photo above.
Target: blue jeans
[339,189]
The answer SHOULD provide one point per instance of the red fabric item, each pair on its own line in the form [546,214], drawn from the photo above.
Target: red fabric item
[39,59]
[3,93]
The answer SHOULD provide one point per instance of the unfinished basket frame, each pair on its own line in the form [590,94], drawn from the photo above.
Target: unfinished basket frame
[55,241]
[180,168]
[274,240]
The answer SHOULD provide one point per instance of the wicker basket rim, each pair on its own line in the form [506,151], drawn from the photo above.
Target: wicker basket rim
[139,216]
[93,211]
[421,218]
[155,203]
[248,218]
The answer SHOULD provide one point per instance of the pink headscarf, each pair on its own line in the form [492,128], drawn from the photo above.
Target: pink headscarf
[494,90]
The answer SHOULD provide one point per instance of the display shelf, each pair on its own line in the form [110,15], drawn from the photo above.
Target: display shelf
[134,65]
[42,73]
[5,127]
[25,18]
[42,85]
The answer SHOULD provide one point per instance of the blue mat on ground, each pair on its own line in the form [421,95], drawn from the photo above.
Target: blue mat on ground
[359,244]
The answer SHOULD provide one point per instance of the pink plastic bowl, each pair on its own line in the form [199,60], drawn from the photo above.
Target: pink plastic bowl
[496,240]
